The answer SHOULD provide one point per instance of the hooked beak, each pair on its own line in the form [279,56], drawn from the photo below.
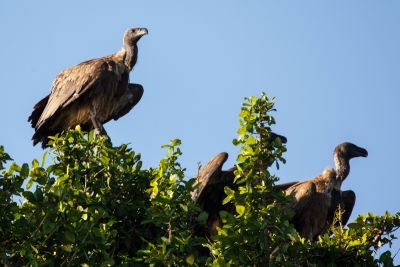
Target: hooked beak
[362,152]
[143,31]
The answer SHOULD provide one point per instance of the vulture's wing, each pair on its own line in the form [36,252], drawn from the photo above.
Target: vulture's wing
[126,101]
[302,193]
[88,77]
[346,201]
[285,186]
[37,111]
[209,175]
[310,207]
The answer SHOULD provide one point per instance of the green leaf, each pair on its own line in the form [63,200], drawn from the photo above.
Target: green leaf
[154,191]
[67,248]
[91,136]
[226,200]
[222,231]
[69,236]
[229,192]
[190,259]
[176,142]
[29,184]
[251,140]
[240,209]
[24,170]
[202,218]
[34,249]
[35,164]
[14,168]
[184,207]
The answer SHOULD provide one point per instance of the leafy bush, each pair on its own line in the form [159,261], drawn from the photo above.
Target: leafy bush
[95,205]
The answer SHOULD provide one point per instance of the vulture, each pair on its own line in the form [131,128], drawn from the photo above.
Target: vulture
[316,200]
[209,193]
[90,93]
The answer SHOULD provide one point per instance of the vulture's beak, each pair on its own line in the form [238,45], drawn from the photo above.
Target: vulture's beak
[361,152]
[143,31]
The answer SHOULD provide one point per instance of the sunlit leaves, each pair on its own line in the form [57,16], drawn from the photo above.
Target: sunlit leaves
[72,206]
[173,213]
[253,228]
[91,204]
[240,210]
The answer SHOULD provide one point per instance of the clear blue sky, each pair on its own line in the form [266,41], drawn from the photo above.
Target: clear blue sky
[333,67]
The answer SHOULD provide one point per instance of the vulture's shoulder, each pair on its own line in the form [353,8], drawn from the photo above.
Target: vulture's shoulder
[326,180]
[302,193]
[302,189]
[77,77]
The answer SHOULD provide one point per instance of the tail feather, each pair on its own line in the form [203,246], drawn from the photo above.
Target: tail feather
[37,111]
[39,135]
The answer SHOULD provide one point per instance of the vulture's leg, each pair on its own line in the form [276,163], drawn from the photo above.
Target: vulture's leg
[98,127]
[347,204]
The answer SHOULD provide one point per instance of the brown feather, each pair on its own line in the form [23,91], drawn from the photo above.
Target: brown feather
[37,111]
[312,202]
[90,93]
[126,101]
[100,76]
[207,176]
[76,92]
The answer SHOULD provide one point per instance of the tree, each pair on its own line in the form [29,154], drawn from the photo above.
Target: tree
[94,204]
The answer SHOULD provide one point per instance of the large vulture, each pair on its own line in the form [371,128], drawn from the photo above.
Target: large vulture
[209,193]
[314,212]
[90,93]
[316,200]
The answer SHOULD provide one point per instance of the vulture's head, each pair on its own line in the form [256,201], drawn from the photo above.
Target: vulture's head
[349,151]
[281,137]
[133,35]
[272,136]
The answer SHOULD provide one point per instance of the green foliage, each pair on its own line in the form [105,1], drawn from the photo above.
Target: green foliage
[170,213]
[253,234]
[84,207]
[94,205]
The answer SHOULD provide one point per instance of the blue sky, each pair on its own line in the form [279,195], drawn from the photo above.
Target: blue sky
[333,67]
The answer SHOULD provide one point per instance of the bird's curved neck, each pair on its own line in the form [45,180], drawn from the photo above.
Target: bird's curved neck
[131,55]
[342,167]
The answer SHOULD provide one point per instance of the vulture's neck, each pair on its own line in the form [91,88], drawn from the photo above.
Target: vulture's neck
[342,167]
[130,56]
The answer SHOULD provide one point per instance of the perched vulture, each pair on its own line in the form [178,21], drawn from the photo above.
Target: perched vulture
[210,192]
[90,93]
[316,200]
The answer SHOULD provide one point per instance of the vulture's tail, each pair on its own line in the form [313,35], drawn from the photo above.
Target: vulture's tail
[34,118]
